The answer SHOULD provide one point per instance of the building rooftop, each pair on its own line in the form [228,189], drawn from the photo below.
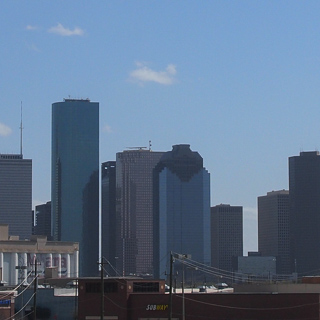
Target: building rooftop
[76,100]
[11,156]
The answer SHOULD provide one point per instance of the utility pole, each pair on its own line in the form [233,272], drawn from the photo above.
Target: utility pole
[170,284]
[102,289]
[35,286]
[102,262]
[182,285]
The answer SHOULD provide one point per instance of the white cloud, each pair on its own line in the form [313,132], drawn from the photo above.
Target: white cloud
[30,27]
[65,32]
[107,128]
[145,74]
[4,130]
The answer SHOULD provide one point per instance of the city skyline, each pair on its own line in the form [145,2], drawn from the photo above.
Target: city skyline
[236,80]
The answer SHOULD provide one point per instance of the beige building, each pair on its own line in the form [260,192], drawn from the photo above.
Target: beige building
[18,258]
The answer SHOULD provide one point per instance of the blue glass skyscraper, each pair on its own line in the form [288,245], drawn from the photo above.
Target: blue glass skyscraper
[75,178]
[181,208]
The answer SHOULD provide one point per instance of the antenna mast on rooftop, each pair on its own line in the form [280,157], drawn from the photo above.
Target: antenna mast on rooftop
[21,128]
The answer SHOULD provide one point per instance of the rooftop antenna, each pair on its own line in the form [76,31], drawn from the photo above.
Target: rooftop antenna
[21,128]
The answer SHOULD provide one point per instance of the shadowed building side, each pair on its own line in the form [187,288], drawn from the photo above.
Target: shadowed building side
[108,213]
[304,201]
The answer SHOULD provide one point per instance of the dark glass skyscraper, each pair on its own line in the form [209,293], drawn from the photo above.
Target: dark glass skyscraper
[273,228]
[304,199]
[181,208]
[16,194]
[134,209]
[75,178]
[227,236]
[108,212]
[43,220]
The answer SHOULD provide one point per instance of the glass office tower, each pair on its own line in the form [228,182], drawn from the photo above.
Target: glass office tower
[181,208]
[273,228]
[134,209]
[43,220]
[226,236]
[16,194]
[304,206]
[75,178]
[108,215]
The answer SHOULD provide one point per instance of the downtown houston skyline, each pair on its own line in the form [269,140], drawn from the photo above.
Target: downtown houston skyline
[235,80]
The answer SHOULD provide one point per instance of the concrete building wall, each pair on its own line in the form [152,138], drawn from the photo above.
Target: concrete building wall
[18,258]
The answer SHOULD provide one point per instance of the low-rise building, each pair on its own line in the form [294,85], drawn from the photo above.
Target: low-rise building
[20,258]
[133,299]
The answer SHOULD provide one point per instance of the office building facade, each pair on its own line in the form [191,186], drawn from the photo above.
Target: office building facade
[181,208]
[134,210]
[108,215]
[273,228]
[304,202]
[75,178]
[16,194]
[43,220]
[226,237]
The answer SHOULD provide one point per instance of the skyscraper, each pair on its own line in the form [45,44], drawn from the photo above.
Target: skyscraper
[273,228]
[75,178]
[16,194]
[226,235]
[43,220]
[108,212]
[304,200]
[181,208]
[134,209]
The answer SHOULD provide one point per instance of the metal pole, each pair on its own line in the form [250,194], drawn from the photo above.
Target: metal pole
[183,308]
[102,289]
[170,292]
[35,284]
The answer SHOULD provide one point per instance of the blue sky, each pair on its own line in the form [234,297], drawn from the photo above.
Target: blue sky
[237,80]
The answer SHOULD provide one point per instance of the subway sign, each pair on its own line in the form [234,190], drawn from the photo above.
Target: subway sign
[157,307]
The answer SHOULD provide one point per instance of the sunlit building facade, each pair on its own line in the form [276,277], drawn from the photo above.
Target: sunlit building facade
[75,178]
[134,210]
